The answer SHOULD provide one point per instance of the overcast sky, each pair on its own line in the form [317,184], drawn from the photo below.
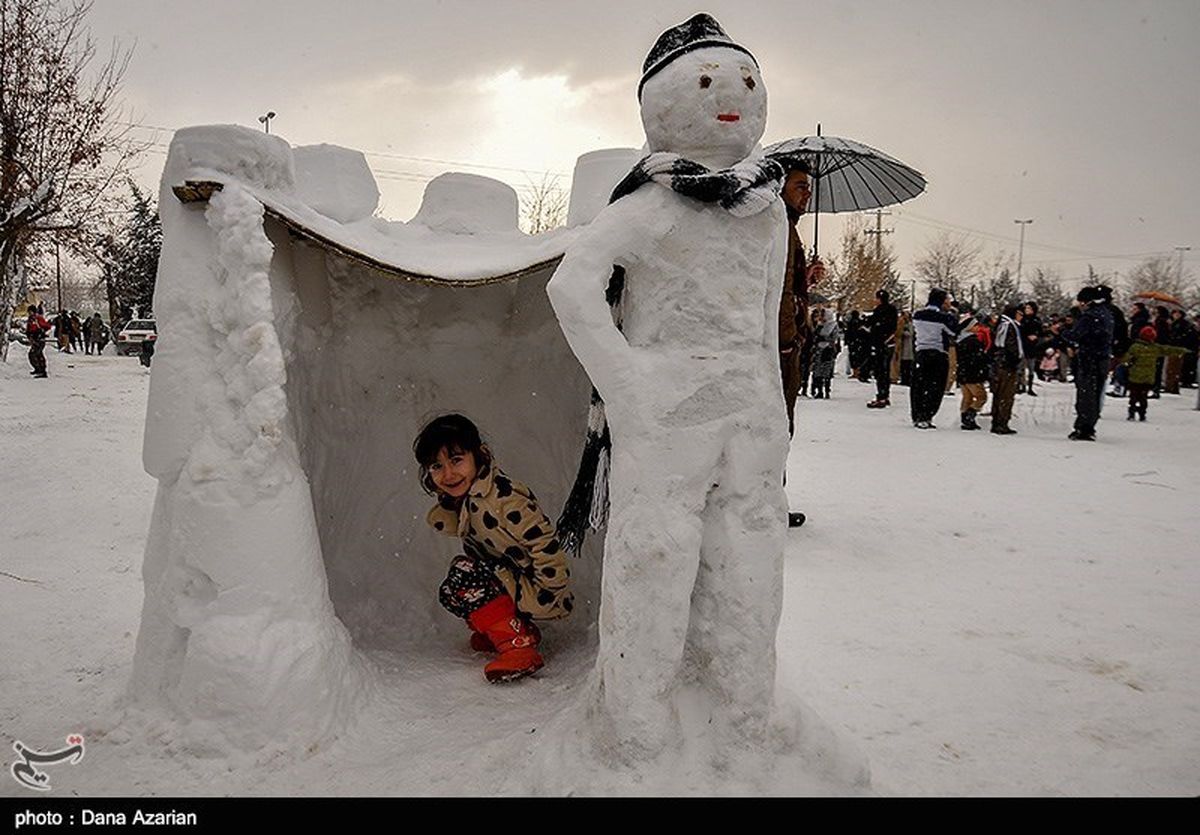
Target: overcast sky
[1081,114]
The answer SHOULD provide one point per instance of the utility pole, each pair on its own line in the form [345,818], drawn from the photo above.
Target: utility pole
[265,119]
[1180,250]
[879,232]
[1021,251]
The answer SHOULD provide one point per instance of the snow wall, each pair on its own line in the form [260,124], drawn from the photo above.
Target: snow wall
[289,381]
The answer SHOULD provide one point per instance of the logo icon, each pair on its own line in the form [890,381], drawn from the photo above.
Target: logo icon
[26,771]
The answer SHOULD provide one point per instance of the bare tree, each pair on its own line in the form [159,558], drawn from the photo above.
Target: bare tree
[1159,274]
[60,144]
[952,262]
[545,206]
[855,274]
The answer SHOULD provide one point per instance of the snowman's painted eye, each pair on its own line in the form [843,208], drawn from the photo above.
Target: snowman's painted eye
[749,82]
[705,81]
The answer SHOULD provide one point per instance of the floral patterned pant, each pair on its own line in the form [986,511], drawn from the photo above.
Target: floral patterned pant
[470,585]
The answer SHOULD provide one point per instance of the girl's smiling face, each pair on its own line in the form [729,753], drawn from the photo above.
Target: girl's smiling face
[453,472]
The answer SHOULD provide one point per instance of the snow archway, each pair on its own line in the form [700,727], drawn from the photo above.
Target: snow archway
[303,344]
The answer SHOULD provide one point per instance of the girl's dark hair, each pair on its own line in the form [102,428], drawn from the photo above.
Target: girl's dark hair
[454,433]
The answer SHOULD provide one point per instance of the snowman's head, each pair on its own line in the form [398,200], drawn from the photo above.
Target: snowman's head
[702,95]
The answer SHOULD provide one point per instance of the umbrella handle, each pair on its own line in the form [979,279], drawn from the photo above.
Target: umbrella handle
[816,215]
[816,202]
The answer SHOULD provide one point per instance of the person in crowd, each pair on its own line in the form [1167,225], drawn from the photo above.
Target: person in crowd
[858,346]
[1007,366]
[1092,340]
[935,325]
[62,331]
[96,333]
[1162,331]
[974,342]
[513,569]
[1139,317]
[1121,338]
[87,335]
[827,344]
[37,329]
[1182,366]
[882,330]
[76,331]
[1031,340]
[907,349]
[1048,365]
[1142,360]
[1067,356]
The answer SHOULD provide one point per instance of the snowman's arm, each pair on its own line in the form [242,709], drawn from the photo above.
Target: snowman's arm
[577,294]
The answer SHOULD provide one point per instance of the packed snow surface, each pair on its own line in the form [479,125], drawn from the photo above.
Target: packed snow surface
[982,615]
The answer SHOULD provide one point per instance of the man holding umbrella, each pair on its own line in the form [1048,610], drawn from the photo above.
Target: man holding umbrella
[794,329]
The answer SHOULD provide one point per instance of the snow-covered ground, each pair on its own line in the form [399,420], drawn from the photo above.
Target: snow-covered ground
[983,615]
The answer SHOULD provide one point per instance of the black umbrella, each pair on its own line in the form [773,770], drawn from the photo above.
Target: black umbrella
[848,176]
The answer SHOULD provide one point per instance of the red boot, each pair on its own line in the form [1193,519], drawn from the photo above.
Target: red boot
[512,638]
[480,642]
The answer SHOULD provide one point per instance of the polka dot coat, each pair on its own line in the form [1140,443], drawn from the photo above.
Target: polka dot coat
[500,522]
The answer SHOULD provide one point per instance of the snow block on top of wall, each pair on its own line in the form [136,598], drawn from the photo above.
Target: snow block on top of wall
[335,181]
[468,204]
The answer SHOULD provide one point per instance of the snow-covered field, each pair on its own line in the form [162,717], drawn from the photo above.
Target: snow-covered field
[983,615]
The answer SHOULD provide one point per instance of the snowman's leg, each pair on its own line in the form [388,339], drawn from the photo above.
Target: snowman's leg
[651,555]
[739,586]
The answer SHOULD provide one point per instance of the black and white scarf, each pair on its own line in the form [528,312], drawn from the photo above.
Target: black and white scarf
[746,189]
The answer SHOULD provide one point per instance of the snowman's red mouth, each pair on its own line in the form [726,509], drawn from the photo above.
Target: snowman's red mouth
[728,117]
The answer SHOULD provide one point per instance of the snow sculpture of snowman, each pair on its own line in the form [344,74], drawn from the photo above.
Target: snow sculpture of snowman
[693,570]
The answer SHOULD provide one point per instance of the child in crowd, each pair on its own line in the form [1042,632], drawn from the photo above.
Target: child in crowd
[512,569]
[1142,361]
[1048,367]
[973,344]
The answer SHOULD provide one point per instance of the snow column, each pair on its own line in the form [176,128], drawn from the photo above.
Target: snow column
[238,635]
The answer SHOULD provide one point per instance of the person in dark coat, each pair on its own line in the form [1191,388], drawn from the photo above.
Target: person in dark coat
[1031,340]
[972,371]
[1139,317]
[1008,363]
[1183,335]
[1121,339]
[883,344]
[1162,330]
[858,346]
[76,331]
[1091,339]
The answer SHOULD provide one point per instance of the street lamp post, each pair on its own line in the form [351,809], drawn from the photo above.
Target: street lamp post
[265,119]
[1021,251]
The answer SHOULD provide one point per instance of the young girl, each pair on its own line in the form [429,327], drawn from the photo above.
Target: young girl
[512,568]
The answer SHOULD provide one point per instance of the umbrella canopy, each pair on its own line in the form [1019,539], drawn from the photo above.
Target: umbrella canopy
[1159,298]
[851,176]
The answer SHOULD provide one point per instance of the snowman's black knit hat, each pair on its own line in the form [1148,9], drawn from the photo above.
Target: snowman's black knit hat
[697,33]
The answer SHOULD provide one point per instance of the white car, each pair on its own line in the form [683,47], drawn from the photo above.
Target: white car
[137,331]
